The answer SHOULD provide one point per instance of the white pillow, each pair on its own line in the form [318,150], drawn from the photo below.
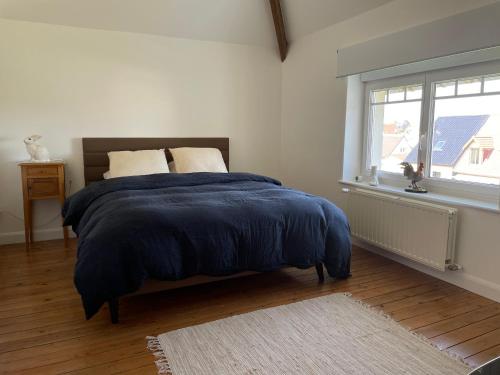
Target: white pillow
[193,159]
[106,175]
[137,163]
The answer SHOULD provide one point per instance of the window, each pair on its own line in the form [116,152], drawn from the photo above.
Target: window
[467,119]
[449,120]
[395,123]
[474,156]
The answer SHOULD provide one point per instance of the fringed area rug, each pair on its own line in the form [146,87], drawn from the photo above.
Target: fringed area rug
[328,335]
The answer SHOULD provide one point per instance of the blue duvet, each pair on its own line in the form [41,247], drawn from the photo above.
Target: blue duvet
[172,226]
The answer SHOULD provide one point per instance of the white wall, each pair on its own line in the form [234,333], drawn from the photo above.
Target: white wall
[66,83]
[314,118]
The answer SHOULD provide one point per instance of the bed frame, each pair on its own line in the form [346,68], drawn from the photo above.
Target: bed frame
[96,162]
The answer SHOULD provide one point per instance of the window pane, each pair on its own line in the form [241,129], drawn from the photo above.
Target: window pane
[379,96]
[492,84]
[466,139]
[469,86]
[414,92]
[445,88]
[397,94]
[395,134]
[474,155]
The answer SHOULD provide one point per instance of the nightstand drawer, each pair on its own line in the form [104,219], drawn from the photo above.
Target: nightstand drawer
[43,187]
[42,171]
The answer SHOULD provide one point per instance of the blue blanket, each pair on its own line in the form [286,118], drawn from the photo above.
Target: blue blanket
[172,226]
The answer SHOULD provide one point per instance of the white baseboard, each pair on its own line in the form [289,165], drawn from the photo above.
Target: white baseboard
[39,235]
[472,283]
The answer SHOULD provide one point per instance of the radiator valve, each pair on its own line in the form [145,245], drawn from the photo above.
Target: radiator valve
[454,267]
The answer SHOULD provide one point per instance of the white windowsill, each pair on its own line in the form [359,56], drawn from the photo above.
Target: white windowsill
[428,197]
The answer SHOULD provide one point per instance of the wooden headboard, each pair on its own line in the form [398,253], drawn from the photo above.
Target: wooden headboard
[95,150]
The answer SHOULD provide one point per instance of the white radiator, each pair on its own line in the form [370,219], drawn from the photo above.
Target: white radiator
[423,232]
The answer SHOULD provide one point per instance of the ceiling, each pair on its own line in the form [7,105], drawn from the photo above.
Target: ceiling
[232,21]
[303,17]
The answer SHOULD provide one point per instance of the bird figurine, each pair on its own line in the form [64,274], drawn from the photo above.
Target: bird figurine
[415,177]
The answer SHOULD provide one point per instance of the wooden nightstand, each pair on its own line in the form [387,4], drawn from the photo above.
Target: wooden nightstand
[41,181]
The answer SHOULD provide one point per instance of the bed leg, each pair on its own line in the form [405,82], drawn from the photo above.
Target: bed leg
[319,271]
[113,310]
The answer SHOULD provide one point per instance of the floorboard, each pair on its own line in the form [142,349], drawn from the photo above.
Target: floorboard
[43,330]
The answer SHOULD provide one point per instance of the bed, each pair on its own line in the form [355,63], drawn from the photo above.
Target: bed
[168,230]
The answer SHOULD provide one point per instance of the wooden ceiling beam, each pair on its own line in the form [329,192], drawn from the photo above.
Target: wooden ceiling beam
[279,25]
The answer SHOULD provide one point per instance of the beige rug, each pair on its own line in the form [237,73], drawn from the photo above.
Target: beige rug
[327,335]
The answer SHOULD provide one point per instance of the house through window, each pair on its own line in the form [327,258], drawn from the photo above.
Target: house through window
[450,125]
[467,118]
[395,122]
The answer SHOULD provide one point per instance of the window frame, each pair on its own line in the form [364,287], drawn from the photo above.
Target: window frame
[414,79]
[467,189]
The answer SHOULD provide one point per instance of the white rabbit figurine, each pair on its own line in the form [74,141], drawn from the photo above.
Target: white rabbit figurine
[36,151]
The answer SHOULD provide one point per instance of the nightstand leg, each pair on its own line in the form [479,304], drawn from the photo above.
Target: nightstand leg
[28,236]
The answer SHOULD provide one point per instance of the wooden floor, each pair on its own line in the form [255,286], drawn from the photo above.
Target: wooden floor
[43,331]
